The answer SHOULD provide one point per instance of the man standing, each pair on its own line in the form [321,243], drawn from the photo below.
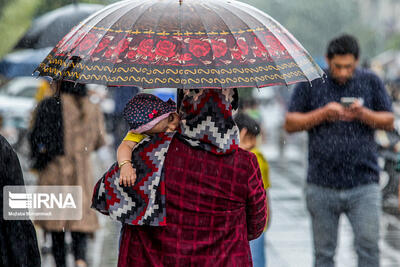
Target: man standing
[340,115]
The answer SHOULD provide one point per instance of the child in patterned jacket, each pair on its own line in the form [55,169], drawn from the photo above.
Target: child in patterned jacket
[146,114]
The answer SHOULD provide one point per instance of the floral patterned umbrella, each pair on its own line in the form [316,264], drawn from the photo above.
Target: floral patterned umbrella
[180,44]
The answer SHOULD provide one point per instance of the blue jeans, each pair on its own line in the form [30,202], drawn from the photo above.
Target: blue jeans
[361,205]
[257,247]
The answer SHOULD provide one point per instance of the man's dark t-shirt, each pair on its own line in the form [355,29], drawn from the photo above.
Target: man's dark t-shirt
[342,154]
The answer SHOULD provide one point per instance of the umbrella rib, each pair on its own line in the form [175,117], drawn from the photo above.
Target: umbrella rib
[279,26]
[83,23]
[156,28]
[136,20]
[99,20]
[208,37]
[182,43]
[80,25]
[256,36]
[236,41]
[140,16]
[111,24]
[181,47]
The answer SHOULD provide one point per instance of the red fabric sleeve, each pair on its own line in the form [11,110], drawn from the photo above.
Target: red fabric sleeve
[256,206]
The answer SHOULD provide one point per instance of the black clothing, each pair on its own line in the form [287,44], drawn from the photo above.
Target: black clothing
[18,243]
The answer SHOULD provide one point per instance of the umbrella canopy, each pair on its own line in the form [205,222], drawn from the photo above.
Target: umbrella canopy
[22,62]
[180,44]
[48,29]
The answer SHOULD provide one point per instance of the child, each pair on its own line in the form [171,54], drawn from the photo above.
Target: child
[249,129]
[146,114]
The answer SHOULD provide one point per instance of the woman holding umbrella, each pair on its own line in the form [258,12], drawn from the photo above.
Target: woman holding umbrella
[215,200]
[213,196]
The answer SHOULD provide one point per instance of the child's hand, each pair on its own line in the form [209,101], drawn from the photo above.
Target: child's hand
[127,175]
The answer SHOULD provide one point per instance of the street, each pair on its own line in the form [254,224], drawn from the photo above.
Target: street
[289,241]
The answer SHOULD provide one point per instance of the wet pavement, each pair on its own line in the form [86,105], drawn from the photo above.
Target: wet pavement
[289,241]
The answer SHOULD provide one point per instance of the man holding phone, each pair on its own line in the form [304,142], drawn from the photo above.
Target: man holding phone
[340,116]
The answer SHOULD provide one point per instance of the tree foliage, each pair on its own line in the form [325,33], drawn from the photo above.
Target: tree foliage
[17,15]
[14,21]
[3,4]
[394,42]
[48,5]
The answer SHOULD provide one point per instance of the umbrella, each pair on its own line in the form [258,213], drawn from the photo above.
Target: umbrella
[180,44]
[22,62]
[48,29]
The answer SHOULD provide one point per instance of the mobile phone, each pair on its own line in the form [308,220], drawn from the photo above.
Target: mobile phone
[348,101]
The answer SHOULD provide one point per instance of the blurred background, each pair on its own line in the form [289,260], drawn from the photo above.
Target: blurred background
[30,28]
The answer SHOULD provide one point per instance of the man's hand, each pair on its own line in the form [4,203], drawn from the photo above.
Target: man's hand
[333,111]
[353,112]
[298,121]
[127,175]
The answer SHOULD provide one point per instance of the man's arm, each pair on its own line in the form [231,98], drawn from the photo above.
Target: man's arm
[378,119]
[379,115]
[375,119]
[298,121]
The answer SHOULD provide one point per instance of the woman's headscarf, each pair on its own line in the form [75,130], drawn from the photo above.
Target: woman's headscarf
[207,120]
[206,123]
[72,88]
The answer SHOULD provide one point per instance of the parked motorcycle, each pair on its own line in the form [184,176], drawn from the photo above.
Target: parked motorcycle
[388,149]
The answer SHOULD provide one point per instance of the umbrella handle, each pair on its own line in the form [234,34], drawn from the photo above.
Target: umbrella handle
[58,88]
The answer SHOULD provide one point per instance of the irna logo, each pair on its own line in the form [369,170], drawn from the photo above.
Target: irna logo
[41,200]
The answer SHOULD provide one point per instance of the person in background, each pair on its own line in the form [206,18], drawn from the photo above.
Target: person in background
[44,90]
[66,130]
[18,242]
[340,115]
[249,131]
[251,108]
[121,95]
